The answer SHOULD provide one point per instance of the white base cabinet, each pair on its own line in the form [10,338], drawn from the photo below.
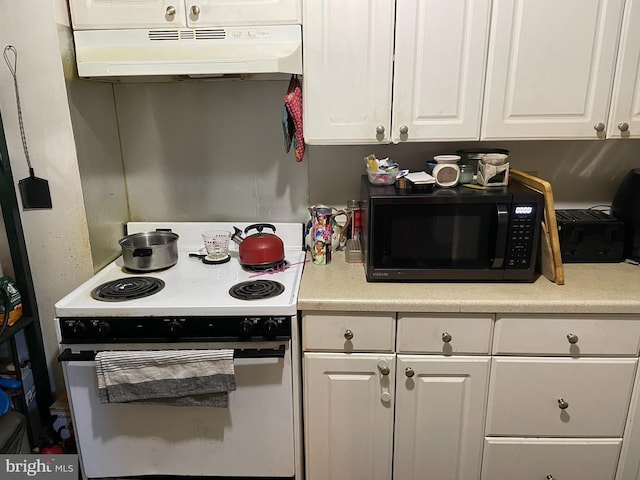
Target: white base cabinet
[350,397]
[471,396]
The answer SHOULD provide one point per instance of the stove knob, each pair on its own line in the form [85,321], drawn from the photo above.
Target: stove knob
[78,328]
[103,329]
[270,328]
[246,328]
[175,328]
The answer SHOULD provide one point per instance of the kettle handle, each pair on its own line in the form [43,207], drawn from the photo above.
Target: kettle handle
[259,227]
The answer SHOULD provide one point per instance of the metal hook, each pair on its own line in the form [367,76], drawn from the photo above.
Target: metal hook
[13,67]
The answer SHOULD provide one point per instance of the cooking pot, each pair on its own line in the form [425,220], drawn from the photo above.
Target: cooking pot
[150,251]
[262,249]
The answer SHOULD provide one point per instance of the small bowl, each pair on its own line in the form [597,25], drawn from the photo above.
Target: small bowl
[382,177]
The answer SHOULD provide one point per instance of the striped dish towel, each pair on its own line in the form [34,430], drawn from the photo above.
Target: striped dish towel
[167,377]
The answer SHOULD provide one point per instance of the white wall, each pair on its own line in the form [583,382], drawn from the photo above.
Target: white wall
[57,239]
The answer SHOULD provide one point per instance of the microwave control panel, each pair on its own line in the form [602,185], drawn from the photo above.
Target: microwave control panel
[521,235]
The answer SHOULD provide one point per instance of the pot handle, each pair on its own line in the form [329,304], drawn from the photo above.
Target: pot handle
[142,252]
[259,227]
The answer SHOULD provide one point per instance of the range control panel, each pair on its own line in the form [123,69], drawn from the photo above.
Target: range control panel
[174,329]
[521,236]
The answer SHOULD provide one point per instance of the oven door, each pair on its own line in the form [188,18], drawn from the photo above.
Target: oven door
[253,437]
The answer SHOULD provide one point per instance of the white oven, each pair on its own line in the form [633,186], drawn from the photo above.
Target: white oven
[253,437]
[192,305]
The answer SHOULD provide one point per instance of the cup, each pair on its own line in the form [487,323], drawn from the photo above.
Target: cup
[217,244]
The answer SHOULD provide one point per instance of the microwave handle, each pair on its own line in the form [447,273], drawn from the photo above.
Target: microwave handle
[501,235]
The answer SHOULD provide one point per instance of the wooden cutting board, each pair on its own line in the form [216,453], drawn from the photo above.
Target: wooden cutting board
[550,256]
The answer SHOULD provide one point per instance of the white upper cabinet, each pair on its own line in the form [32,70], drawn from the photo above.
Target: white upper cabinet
[90,14]
[440,56]
[550,68]
[624,119]
[350,73]
[347,51]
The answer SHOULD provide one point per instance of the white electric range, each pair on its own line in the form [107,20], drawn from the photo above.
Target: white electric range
[190,307]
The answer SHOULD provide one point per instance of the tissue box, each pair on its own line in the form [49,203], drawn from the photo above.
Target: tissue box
[492,175]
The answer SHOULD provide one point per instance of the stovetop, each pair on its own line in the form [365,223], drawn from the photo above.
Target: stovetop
[191,287]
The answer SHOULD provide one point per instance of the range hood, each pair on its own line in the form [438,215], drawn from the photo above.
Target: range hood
[193,52]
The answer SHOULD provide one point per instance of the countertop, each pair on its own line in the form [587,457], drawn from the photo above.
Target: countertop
[588,288]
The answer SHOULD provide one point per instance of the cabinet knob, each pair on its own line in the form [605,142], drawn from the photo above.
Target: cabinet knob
[623,127]
[404,130]
[195,10]
[446,337]
[385,396]
[562,404]
[380,129]
[170,11]
[348,334]
[383,366]
[409,372]
[573,338]
[599,127]
[550,477]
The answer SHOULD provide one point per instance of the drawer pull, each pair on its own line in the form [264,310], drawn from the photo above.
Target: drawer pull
[348,334]
[409,372]
[446,337]
[562,404]
[573,338]
[383,366]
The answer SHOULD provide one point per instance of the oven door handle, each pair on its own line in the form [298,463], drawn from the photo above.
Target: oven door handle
[89,356]
[501,235]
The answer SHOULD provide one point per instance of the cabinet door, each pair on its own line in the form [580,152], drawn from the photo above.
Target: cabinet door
[550,68]
[440,411]
[242,12]
[440,57]
[89,14]
[348,413]
[347,48]
[624,120]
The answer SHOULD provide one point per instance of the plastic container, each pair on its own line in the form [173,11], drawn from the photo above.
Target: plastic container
[383,177]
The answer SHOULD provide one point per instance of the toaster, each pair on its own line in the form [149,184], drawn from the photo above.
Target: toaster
[590,236]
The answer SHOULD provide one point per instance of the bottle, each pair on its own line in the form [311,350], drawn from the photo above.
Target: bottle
[355,206]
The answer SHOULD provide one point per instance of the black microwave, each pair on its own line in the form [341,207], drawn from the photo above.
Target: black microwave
[451,234]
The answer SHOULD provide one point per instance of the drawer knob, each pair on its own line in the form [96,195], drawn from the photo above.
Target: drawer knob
[550,477]
[573,338]
[383,366]
[409,372]
[562,404]
[446,337]
[348,334]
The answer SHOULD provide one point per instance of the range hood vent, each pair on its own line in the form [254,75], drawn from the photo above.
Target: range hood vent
[193,52]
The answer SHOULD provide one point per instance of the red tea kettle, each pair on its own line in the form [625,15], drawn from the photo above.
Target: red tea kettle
[262,249]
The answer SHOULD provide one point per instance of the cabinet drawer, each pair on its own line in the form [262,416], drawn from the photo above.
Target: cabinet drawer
[559,397]
[536,459]
[567,335]
[348,332]
[444,333]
